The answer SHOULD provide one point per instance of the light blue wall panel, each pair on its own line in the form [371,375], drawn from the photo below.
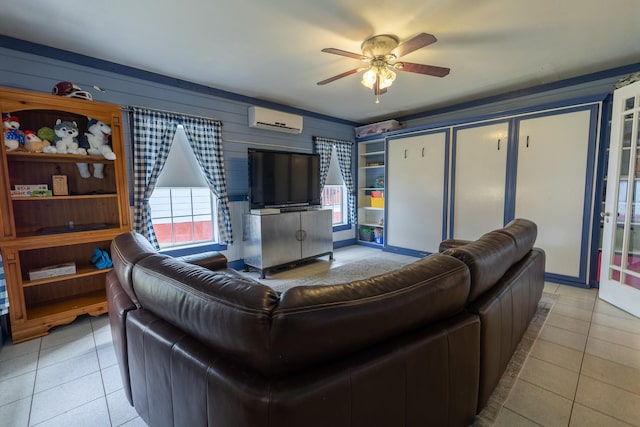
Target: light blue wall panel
[26,71]
[22,70]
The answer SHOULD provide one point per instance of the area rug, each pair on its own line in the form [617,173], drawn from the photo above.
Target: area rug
[328,275]
[499,396]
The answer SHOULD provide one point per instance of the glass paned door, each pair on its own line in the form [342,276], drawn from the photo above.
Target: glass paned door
[620,277]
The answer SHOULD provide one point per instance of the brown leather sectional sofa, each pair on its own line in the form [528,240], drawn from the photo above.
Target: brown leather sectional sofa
[200,344]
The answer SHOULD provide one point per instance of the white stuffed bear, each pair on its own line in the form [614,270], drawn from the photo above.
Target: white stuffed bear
[96,142]
[66,139]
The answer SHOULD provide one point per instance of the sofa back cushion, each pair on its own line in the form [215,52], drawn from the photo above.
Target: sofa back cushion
[126,250]
[524,233]
[488,258]
[223,309]
[319,323]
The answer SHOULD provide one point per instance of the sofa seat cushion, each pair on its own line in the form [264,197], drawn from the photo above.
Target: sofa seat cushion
[488,258]
[325,322]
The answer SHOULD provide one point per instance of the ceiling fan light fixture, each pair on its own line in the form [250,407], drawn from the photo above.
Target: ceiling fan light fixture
[369,78]
[381,52]
[387,77]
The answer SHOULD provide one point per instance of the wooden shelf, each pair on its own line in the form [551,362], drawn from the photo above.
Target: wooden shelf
[69,197]
[90,303]
[80,272]
[27,156]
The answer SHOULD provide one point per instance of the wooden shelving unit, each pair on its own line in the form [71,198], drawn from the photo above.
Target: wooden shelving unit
[37,232]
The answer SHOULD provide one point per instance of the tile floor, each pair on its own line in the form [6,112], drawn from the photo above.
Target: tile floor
[583,370]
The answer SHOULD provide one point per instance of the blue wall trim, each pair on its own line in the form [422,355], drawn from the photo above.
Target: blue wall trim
[88,61]
[605,135]
[344,244]
[408,252]
[176,252]
[470,121]
[586,78]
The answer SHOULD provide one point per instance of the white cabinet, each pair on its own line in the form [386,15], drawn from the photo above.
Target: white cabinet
[276,240]
[371,192]
[554,172]
[479,179]
[416,191]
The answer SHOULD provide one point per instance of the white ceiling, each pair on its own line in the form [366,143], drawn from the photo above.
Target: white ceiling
[271,49]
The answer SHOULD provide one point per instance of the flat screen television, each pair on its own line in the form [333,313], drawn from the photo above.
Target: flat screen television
[283,179]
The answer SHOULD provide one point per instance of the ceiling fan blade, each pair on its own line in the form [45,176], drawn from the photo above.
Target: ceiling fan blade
[430,70]
[415,43]
[339,76]
[345,53]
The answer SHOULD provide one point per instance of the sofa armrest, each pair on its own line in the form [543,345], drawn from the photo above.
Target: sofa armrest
[209,260]
[452,243]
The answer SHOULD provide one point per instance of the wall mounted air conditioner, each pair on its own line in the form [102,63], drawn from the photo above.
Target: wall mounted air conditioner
[264,118]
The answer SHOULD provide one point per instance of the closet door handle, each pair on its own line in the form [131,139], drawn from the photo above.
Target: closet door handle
[405,153]
[498,144]
[422,151]
[527,141]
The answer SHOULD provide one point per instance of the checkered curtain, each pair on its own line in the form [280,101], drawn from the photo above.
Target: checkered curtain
[153,133]
[206,141]
[344,150]
[4,300]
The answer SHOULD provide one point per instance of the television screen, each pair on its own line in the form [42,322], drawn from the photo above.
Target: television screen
[280,179]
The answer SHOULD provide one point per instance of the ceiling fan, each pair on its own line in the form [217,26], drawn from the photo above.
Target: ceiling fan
[381,52]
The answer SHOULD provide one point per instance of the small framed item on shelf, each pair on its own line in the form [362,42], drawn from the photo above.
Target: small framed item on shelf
[60,186]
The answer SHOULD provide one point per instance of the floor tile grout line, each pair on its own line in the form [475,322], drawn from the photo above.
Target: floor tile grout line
[35,380]
[63,413]
[104,390]
[584,352]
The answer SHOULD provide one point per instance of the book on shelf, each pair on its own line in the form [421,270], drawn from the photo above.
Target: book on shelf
[52,271]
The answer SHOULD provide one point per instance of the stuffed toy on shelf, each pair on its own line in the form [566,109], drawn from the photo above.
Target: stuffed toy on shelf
[34,144]
[66,139]
[13,136]
[96,142]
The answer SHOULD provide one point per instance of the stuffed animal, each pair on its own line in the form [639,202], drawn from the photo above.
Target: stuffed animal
[34,144]
[46,134]
[96,142]
[66,140]
[13,136]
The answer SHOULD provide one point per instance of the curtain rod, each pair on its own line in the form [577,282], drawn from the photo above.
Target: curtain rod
[130,108]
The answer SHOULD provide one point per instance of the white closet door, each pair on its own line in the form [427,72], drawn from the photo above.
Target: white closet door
[550,185]
[479,184]
[416,191]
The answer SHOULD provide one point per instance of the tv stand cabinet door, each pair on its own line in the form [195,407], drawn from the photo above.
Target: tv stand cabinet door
[317,232]
[272,239]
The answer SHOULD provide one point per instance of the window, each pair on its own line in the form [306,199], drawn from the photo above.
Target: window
[333,198]
[183,208]
[334,192]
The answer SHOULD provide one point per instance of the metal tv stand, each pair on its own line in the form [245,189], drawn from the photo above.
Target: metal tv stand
[287,238]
